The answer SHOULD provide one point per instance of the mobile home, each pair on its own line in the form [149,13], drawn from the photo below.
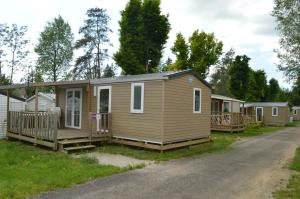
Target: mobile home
[268,113]
[158,111]
[296,113]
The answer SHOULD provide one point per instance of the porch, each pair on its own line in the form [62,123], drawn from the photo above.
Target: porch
[231,122]
[41,128]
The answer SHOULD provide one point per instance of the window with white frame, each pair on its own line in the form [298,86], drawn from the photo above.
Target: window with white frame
[197,100]
[274,111]
[295,111]
[137,98]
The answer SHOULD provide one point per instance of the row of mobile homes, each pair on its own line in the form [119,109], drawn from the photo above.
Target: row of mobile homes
[268,113]
[226,113]
[15,104]
[296,113]
[159,111]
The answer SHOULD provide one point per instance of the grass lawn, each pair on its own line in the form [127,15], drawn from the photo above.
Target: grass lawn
[26,170]
[292,190]
[221,142]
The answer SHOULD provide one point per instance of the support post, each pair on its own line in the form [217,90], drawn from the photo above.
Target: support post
[88,92]
[36,109]
[7,112]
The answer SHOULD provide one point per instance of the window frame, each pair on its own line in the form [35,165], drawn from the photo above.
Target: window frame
[295,112]
[200,100]
[132,110]
[273,111]
[66,101]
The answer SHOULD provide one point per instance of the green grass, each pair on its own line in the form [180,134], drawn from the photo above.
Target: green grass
[292,124]
[26,170]
[221,142]
[292,189]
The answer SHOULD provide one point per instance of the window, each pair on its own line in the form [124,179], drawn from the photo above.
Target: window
[137,98]
[274,111]
[197,100]
[226,107]
[295,111]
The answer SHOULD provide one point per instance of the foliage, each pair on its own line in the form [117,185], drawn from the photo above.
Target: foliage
[295,95]
[55,49]
[220,78]
[273,90]
[3,43]
[239,76]
[4,80]
[205,51]
[181,50]
[94,44]
[287,14]
[16,45]
[109,71]
[27,170]
[143,34]
[257,86]
[166,66]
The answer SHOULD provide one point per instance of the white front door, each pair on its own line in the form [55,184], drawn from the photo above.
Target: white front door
[73,108]
[103,102]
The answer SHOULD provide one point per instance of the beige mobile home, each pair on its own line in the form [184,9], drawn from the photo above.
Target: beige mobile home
[226,114]
[158,111]
[296,113]
[268,113]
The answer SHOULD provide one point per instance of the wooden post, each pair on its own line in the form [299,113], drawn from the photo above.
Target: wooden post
[7,113]
[36,109]
[88,92]
[54,123]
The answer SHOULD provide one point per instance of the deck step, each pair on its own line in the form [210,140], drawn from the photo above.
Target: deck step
[74,141]
[79,147]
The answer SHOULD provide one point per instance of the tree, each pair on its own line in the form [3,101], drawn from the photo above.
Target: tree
[181,50]
[220,78]
[260,85]
[16,45]
[3,42]
[94,43]
[295,97]
[205,51]
[272,90]
[287,14]
[239,76]
[109,71]
[143,34]
[55,49]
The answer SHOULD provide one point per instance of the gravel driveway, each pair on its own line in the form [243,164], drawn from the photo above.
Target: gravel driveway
[252,169]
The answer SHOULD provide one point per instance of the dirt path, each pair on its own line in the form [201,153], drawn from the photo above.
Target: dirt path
[250,170]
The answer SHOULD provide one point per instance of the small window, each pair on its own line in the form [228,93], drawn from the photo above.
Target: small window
[274,111]
[295,111]
[226,107]
[137,98]
[197,100]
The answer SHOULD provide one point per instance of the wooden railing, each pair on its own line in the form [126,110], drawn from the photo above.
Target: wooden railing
[104,123]
[40,125]
[221,120]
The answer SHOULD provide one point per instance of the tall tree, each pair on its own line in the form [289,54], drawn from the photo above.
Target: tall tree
[205,51]
[55,49]
[181,50]
[109,71]
[3,42]
[272,90]
[143,34]
[239,76]
[94,42]
[220,78]
[16,45]
[295,97]
[287,14]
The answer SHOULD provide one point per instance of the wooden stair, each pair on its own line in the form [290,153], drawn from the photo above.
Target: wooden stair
[75,144]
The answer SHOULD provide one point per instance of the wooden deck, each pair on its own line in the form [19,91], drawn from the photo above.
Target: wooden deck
[227,122]
[41,129]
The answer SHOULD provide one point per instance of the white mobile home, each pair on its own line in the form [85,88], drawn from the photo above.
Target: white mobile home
[16,104]
[46,101]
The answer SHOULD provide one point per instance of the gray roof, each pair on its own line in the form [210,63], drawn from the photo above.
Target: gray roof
[214,96]
[296,107]
[147,77]
[266,104]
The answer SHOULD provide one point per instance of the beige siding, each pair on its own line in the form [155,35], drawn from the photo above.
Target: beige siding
[142,126]
[281,119]
[179,120]
[297,116]
[61,102]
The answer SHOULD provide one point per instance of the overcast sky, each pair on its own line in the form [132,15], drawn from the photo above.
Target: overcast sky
[245,25]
